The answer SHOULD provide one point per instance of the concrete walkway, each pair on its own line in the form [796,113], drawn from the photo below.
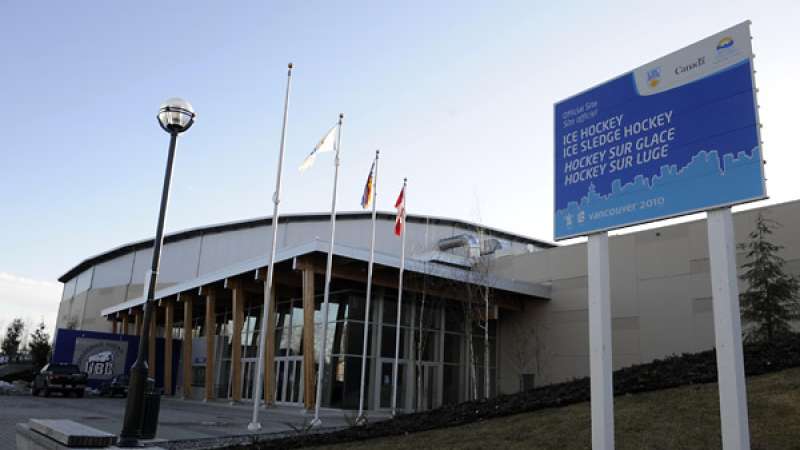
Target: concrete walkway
[179,419]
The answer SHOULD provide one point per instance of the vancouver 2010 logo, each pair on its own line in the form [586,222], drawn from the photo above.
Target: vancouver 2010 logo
[654,76]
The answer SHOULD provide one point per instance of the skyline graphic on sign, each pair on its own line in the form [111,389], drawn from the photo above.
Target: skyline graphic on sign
[675,136]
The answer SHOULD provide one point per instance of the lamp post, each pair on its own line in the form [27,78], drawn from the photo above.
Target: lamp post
[175,116]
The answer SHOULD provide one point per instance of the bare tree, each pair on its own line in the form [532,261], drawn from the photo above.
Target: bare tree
[476,316]
[425,320]
[526,350]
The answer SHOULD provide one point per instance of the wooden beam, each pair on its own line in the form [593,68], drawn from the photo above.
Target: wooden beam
[151,344]
[187,345]
[114,325]
[269,349]
[236,341]
[137,321]
[261,274]
[124,322]
[309,375]
[210,327]
[169,314]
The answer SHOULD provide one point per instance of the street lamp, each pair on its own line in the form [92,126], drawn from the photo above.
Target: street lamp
[175,116]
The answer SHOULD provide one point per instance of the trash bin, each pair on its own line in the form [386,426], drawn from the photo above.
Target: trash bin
[152,405]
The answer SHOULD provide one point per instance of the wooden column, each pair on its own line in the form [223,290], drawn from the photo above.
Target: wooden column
[210,327]
[151,346]
[269,350]
[309,374]
[125,323]
[114,325]
[137,322]
[187,345]
[236,341]
[169,313]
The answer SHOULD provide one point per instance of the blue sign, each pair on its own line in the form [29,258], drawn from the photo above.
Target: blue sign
[675,136]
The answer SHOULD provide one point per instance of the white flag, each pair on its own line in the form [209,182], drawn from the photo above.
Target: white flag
[326,144]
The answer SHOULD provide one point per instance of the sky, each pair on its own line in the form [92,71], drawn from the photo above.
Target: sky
[457,95]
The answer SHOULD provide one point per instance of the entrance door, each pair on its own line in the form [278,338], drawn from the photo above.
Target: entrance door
[289,380]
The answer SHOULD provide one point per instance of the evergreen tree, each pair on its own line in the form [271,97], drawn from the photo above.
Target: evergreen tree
[13,338]
[39,347]
[771,300]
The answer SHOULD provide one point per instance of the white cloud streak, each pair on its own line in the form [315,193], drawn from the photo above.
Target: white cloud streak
[29,299]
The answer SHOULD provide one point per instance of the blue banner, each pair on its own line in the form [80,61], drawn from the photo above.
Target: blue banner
[675,136]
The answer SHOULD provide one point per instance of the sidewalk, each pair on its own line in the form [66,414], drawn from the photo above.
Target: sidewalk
[179,419]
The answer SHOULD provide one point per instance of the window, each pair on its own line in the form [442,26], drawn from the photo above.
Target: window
[390,310]
[388,340]
[452,348]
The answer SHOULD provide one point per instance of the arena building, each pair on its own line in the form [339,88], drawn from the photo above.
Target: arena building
[211,294]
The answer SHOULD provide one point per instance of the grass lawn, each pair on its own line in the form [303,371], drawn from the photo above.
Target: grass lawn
[680,418]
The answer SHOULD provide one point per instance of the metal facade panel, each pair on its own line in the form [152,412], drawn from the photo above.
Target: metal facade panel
[116,272]
[179,261]
[224,249]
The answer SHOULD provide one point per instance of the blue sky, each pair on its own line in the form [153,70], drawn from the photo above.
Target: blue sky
[458,96]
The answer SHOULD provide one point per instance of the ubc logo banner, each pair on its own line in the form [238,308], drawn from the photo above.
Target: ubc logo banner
[101,359]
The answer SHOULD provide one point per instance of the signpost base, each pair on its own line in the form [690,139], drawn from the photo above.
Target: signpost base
[600,343]
[728,331]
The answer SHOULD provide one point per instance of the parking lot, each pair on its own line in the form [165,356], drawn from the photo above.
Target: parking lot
[179,419]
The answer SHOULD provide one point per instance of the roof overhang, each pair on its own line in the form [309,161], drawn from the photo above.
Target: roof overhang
[288,254]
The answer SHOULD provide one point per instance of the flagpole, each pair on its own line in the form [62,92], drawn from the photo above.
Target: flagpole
[399,302]
[321,361]
[361,419]
[276,199]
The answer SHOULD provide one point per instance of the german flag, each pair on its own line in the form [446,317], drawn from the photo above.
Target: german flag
[369,188]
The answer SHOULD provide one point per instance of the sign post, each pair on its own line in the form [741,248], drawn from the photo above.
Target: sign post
[727,331]
[602,386]
[676,136]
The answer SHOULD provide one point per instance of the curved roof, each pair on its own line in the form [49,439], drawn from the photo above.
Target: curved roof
[263,221]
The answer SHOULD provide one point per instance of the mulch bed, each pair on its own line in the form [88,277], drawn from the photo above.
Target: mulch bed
[665,373]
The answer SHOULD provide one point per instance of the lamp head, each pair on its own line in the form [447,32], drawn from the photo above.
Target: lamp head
[176,115]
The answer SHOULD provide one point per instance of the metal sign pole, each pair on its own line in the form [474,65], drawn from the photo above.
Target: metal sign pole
[600,370]
[728,331]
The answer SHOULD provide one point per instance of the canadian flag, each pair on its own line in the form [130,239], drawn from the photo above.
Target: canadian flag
[400,205]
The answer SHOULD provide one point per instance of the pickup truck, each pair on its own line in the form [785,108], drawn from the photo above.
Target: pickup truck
[60,377]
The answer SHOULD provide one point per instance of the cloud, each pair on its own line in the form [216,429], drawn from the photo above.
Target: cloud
[6,277]
[29,299]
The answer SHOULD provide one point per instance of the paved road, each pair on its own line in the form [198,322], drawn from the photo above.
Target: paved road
[179,419]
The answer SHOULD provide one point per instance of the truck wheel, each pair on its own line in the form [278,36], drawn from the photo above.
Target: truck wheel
[46,392]
[79,393]
[34,392]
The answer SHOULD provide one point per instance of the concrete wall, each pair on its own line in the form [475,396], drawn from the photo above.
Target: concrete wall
[121,278]
[660,298]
